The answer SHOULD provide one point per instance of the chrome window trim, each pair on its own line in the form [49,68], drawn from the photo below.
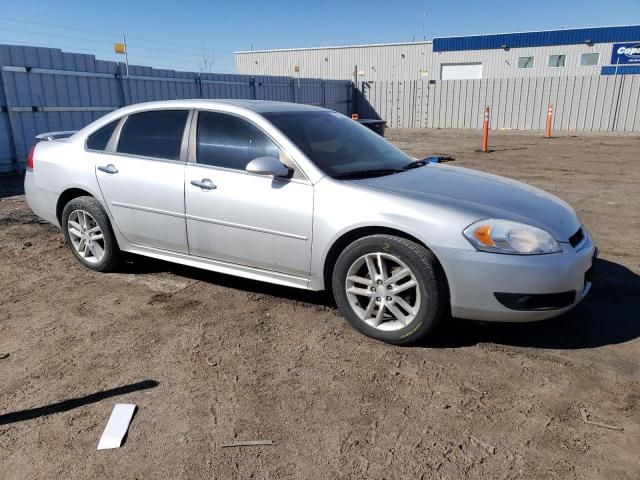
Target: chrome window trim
[142,157]
[113,142]
[301,181]
[194,140]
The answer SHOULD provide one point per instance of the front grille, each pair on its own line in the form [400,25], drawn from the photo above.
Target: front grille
[576,238]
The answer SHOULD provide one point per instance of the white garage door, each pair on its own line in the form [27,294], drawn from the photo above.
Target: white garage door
[461,71]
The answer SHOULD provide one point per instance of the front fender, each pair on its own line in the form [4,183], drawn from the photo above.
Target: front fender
[341,208]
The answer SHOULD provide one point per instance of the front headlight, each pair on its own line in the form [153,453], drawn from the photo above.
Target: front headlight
[504,236]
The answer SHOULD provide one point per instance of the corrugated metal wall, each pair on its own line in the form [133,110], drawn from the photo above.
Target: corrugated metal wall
[587,103]
[572,36]
[417,61]
[376,62]
[44,89]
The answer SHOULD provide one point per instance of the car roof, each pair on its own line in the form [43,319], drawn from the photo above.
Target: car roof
[259,106]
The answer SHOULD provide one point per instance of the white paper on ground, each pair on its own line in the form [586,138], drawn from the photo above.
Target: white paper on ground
[117,426]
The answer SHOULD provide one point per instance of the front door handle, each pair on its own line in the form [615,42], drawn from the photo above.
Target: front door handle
[110,169]
[204,184]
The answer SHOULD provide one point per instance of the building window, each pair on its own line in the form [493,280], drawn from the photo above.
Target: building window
[525,62]
[589,59]
[557,60]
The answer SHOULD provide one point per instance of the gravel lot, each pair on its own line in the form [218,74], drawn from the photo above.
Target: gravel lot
[210,359]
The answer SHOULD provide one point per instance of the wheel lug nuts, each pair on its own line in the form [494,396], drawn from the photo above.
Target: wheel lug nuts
[389,287]
[378,299]
[379,282]
[388,299]
[373,289]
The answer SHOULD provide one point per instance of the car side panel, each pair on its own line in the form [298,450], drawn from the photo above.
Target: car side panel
[146,199]
[251,220]
[42,202]
[341,207]
[58,166]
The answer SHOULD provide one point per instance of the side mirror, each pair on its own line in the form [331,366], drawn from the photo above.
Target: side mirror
[268,166]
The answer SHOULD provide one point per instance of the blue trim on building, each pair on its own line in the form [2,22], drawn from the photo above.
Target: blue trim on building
[622,70]
[538,39]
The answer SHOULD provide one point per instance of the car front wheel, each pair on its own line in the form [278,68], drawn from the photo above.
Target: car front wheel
[389,288]
[88,234]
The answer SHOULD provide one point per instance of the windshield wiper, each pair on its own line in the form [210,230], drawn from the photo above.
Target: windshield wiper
[378,172]
[415,164]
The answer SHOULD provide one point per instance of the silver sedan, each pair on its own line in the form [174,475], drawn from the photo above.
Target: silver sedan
[305,197]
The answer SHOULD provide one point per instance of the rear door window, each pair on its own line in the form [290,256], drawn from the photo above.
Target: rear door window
[156,133]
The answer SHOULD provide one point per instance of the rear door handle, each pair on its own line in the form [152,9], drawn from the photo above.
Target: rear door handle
[204,184]
[110,169]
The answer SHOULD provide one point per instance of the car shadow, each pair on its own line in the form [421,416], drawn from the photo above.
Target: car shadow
[609,315]
[144,265]
[11,184]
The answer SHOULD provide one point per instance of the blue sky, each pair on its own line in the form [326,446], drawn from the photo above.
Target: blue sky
[172,34]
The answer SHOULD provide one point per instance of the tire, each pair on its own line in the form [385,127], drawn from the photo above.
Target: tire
[354,296]
[90,238]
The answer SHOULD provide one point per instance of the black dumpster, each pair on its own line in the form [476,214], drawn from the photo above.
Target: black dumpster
[377,126]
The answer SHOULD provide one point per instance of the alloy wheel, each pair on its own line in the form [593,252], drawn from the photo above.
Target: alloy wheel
[383,291]
[86,236]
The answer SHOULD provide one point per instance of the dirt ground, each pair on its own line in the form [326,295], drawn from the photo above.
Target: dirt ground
[210,359]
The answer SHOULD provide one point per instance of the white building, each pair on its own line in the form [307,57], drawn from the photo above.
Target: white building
[585,51]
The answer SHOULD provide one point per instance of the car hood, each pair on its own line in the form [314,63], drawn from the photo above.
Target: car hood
[482,195]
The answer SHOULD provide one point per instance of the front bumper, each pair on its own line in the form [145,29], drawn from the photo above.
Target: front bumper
[475,277]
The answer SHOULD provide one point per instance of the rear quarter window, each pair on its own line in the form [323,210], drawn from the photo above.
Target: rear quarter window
[100,138]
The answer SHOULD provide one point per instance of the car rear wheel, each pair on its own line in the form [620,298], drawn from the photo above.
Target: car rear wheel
[88,234]
[389,288]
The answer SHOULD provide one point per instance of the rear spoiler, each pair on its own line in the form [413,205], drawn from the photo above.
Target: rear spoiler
[49,136]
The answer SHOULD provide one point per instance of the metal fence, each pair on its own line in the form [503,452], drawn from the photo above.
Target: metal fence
[586,103]
[45,89]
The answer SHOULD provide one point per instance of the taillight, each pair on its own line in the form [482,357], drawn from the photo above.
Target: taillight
[30,158]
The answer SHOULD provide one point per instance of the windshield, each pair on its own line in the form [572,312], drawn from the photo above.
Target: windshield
[339,146]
